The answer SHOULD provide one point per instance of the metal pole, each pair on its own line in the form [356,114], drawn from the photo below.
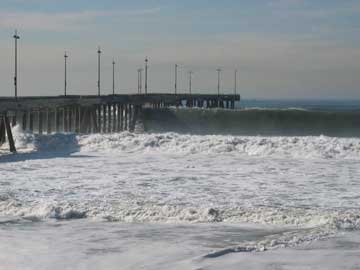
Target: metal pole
[219,71]
[146,75]
[113,85]
[140,87]
[16,37]
[190,74]
[99,52]
[235,82]
[65,73]
[176,66]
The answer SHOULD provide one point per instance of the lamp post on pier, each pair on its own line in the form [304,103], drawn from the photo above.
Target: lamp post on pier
[16,37]
[235,82]
[146,75]
[190,80]
[113,76]
[98,82]
[218,86]
[176,68]
[139,80]
[65,73]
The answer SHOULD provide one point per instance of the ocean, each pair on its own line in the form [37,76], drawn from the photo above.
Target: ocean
[271,185]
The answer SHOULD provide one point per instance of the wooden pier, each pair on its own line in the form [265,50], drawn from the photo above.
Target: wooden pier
[92,114]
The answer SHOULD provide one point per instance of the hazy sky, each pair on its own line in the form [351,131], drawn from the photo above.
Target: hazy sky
[281,48]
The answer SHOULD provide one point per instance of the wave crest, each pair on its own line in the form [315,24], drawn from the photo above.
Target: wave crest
[303,147]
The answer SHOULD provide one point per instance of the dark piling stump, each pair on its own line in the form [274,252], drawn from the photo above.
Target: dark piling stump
[110,119]
[94,120]
[24,120]
[9,135]
[2,130]
[31,121]
[104,118]
[118,118]
[48,121]
[114,118]
[126,117]
[40,122]
[121,117]
[13,119]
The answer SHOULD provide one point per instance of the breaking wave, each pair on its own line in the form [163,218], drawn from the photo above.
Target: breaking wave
[29,142]
[277,146]
[298,226]
[266,122]
[304,147]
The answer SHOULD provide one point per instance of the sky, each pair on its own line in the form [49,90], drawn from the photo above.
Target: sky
[282,49]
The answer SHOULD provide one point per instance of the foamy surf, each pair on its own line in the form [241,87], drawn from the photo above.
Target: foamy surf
[276,146]
[300,189]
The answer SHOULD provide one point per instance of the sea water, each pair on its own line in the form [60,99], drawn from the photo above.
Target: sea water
[183,199]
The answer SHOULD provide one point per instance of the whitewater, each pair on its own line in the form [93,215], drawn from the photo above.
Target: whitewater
[166,200]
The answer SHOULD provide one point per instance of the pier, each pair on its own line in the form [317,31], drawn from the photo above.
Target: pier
[92,114]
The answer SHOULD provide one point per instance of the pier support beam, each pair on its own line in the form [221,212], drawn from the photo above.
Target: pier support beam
[126,117]
[2,130]
[40,122]
[24,120]
[9,135]
[31,121]
[121,117]
[48,121]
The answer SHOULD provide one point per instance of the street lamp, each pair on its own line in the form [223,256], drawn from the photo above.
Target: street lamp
[235,82]
[139,80]
[190,77]
[176,67]
[65,73]
[113,76]
[219,71]
[146,75]
[16,37]
[98,83]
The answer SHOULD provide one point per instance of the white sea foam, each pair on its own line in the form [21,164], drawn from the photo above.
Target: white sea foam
[307,186]
[303,147]
[298,147]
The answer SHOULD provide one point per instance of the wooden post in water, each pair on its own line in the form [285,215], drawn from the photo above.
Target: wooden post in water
[94,119]
[121,117]
[134,118]
[114,118]
[24,120]
[78,119]
[104,118]
[31,121]
[98,114]
[118,117]
[2,130]
[130,112]
[9,135]
[13,119]
[49,118]
[40,122]
[126,118]
[57,120]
